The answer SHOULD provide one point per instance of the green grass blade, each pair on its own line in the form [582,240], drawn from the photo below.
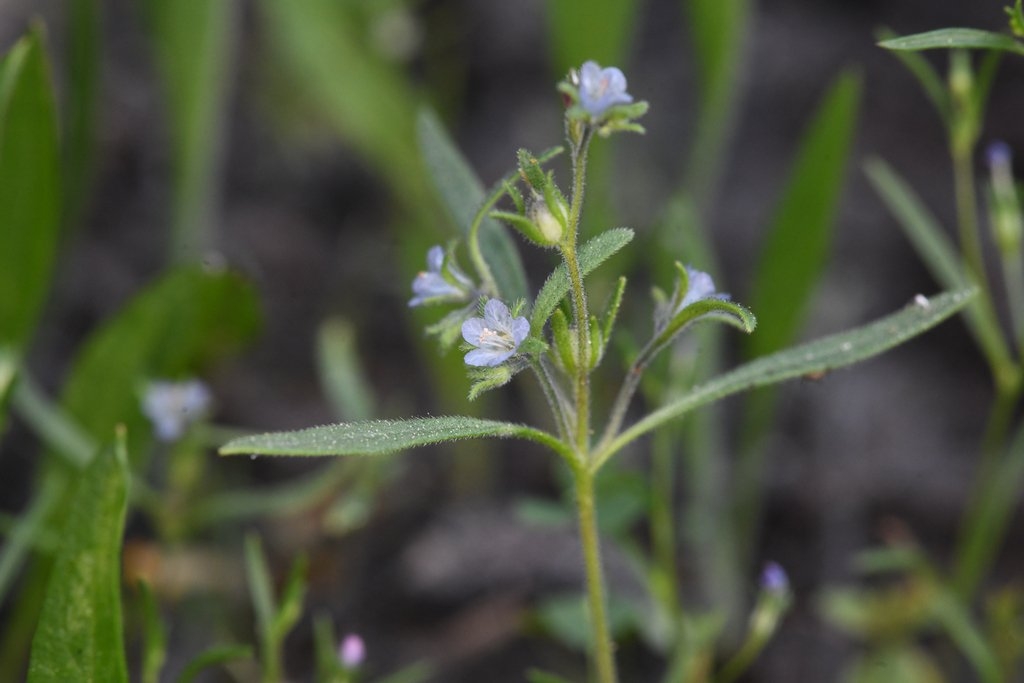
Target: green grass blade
[82,104]
[218,654]
[719,30]
[463,193]
[937,252]
[815,357]
[796,251]
[80,635]
[578,30]
[955,38]
[29,188]
[261,589]
[593,253]
[194,42]
[379,437]
[340,371]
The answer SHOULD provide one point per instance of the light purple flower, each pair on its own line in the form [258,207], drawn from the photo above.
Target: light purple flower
[352,651]
[774,579]
[496,336]
[998,155]
[699,286]
[440,282]
[172,406]
[601,88]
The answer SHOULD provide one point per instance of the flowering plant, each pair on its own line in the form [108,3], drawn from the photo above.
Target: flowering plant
[557,336]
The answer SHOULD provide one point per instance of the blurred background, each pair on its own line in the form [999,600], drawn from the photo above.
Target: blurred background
[278,139]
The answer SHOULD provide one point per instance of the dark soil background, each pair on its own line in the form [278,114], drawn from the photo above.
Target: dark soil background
[447,574]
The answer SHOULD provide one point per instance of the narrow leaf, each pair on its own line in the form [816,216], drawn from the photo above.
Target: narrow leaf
[29,188]
[261,588]
[955,38]
[815,357]
[578,32]
[592,254]
[377,437]
[935,249]
[796,251]
[463,194]
[215,655]
[340,370]
[80,635]
[84,42]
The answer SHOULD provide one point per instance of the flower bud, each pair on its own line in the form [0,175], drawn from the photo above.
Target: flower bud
[550,225]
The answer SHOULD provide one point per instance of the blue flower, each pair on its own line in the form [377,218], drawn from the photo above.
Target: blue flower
[774,579]
[601,89]
[998,155]
[172,406]
[496,336]
[441,282]
[699,286]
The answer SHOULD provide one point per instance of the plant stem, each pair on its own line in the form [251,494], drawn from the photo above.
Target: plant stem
[967,217]
[579,295]
[603,661]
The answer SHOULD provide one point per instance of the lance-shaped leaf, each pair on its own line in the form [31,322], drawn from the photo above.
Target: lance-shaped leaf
[592,254]
[955,38]
[380,437]
[815,357]
[463,194]
[80,635]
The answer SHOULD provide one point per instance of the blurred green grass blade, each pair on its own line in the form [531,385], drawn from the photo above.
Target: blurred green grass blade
[955,38]
[29,188]
[822,355]
[593,253]
[538,676]
[949,611]
[261,589]
[329,59]
[581,29]
[194,41]
[341,371]
[378,437]
[719,30]
[80,635]
[796,250]
[30,525]
[8,371]
[463,193]
[932,84]
[937,252]
[154,647]
[219,654]
[82,103]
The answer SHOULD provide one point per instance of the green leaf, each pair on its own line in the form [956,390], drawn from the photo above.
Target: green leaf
[955,38]
[340,370]
[379,437]
[218,654]
[579,31]
[80,635]
[174,328]
[926,75]
[592,254]
[538,676]
[796,251]
[463,194]
[949,611]
[29,188]
[261,588]
[816,357]
[194,42]
[937,252]
[84,40]
[328,58]
[154,649]
[719,29]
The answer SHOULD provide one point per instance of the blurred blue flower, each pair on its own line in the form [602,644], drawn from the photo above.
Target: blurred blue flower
[441,282]
[601,88]
[172,406]
[497,335]
[774,579]
[998,155]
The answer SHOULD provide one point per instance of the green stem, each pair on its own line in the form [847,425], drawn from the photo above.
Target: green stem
[556,400]
[967,216]
[579,295]
[603,660]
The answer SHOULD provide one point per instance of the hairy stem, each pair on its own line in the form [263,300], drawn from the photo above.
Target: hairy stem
[603,659]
